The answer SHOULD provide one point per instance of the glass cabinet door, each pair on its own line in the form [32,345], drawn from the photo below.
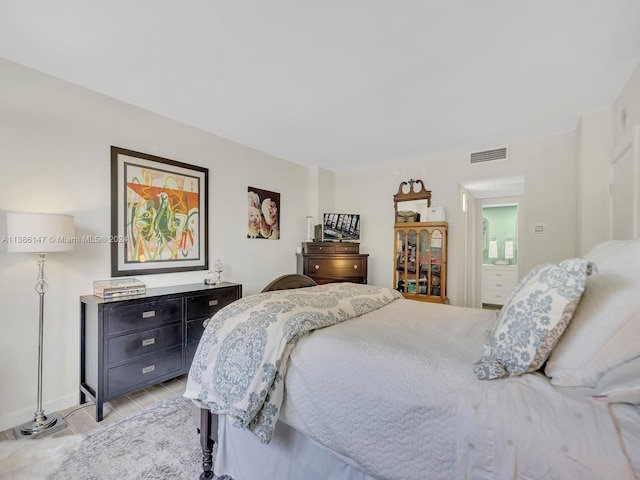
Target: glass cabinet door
[412,246]
[420,263]
[423,281]
[401,262]
[436,262]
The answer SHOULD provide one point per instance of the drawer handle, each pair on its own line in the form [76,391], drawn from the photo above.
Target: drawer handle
[498,285]
[317,267]
[148,369]
[355,266]
[148,341]
[213,303]
[149,314]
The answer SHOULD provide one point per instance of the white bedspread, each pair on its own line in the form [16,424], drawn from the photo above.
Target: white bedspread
[242,357]
[402,402]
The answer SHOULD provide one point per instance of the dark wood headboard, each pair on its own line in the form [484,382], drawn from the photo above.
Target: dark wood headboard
[286,282]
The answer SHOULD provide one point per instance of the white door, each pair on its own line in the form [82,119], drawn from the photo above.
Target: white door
[625,188]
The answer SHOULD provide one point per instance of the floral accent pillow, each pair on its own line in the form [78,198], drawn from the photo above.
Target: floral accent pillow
[533,319]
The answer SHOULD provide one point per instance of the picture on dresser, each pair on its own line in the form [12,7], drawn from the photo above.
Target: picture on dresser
[158,214]
[263,214]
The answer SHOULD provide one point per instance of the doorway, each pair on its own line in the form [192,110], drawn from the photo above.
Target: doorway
[489,269]
[499,251]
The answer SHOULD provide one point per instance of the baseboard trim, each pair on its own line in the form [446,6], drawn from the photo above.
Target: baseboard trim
[18,417]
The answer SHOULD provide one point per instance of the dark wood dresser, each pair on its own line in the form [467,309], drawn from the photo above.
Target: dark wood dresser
[328,262]
[130,343]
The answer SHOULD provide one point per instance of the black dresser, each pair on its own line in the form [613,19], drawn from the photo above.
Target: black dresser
[130,343]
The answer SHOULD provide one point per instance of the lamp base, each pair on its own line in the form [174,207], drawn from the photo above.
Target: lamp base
[49,424]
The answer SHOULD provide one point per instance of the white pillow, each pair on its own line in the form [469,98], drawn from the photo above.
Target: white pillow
[533,319]
[605,330]
[620,384]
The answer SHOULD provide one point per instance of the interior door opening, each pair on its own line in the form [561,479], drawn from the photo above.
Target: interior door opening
[482,228]
[499,244]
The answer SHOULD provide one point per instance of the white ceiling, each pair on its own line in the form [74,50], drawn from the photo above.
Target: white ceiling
[340,83]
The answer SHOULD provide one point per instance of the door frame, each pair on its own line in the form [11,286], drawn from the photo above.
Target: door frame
[473,195]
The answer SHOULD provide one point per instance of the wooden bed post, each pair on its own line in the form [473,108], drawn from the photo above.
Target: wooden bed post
[207,445]
[208,422]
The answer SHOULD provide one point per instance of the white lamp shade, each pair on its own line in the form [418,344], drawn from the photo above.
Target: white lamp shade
[39,233]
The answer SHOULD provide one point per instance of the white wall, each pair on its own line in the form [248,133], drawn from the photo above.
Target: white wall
[55,143]
[594,137]
[321,192]
[548,165]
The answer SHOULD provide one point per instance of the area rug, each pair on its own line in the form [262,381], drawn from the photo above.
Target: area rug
[159,442]
[30,459]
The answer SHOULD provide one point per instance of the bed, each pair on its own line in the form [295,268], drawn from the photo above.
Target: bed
[373,386]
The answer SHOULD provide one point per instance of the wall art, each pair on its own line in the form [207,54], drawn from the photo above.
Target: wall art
[158,214]
[264,214]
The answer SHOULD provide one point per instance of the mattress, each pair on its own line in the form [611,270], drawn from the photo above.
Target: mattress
[394,392]
[392,395]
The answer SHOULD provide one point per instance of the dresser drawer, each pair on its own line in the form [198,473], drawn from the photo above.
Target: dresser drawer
[189,354]
[491,275]
[206,305]
[142,343]
[344,267]
[499,284]
[347,248]
[195,329]
[316,248]
[143,315]
[143,371]
[495,297]
[332,247]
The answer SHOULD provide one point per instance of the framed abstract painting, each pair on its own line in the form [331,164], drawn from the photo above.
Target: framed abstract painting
[158,214]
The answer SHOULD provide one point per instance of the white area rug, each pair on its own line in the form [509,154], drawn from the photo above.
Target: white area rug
[30,459]
[160,442]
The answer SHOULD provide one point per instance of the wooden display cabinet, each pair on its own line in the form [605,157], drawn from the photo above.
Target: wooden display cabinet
[420,248]
[420,256]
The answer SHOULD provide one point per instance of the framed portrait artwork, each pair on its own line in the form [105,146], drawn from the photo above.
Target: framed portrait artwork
[264,214]
[158,214]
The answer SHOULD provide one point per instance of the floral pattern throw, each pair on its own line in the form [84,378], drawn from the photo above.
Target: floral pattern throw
[532,320]
[240,364]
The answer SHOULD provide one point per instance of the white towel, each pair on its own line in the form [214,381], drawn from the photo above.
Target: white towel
[493,249]
[508,249]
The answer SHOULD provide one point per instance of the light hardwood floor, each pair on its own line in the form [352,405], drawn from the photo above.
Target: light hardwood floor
[82,419]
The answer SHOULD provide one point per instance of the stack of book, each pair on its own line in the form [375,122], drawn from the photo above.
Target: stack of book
[118,287]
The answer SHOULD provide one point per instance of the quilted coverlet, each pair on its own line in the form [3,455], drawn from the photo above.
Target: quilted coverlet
[240,363]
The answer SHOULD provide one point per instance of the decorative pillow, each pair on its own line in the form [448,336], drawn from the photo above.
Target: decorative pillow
[605,330]
[533,319]
[620,384]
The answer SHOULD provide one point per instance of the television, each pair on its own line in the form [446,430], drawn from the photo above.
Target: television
[341,227]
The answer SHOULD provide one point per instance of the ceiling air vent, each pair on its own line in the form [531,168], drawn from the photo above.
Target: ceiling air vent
[495,155]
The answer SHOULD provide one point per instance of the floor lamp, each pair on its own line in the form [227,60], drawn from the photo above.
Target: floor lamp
[40,233]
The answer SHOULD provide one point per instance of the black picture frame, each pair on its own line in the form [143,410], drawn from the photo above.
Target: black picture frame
[159,217]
